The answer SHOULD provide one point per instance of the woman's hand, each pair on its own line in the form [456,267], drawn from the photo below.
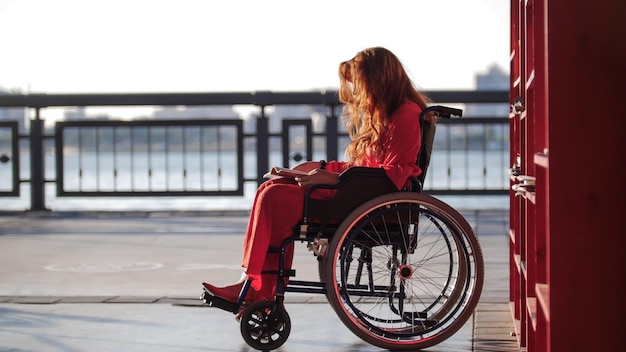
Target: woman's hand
[318,177]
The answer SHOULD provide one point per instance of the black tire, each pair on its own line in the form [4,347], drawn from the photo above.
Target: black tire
[404,271]
[260,331]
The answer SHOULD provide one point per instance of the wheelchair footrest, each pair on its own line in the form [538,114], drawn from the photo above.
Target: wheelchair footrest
[217,302]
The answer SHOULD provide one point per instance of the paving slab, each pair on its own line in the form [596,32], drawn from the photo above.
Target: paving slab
[131,282]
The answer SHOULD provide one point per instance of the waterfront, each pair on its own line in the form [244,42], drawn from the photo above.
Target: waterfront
[201,203]
[456,169]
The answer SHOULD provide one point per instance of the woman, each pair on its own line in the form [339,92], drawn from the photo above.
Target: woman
[381,109]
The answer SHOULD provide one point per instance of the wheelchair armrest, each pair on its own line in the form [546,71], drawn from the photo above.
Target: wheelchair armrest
[356,186]
[356,171]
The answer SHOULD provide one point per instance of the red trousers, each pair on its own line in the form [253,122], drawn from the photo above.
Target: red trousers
[277,208]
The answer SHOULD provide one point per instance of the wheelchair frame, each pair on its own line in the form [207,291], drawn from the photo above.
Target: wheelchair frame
[402,270]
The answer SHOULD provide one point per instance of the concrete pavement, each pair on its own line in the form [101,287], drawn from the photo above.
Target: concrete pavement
[131,281]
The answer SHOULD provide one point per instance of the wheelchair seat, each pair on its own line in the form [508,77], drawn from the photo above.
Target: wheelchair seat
[360,184]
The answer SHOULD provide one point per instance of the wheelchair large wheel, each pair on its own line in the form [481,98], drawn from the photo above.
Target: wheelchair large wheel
[404,271]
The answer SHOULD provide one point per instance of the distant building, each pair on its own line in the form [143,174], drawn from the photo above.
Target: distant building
[196,112]
[494,79]
[80,113]
[475,137]
[77,113]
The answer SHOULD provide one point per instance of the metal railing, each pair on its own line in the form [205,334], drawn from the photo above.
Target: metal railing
[215,157]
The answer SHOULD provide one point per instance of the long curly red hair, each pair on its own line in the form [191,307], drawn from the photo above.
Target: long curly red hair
[372,86]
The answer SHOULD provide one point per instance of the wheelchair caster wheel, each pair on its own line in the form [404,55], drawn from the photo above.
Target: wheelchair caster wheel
[263,330]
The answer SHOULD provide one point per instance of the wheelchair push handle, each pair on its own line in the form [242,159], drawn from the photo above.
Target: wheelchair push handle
[443,111]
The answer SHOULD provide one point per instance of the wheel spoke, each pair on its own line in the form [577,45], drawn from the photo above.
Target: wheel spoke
[420,272]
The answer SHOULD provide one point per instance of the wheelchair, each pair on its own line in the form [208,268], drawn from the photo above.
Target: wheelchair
[401,269]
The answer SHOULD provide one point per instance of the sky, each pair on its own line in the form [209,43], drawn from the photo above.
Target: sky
[117,46]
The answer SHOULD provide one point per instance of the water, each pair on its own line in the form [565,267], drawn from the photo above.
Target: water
[457,169]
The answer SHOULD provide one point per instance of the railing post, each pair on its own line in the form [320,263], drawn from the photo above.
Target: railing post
[262,145]
[37,180]
[332,135]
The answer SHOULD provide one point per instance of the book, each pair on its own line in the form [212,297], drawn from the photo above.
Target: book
[278,171]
